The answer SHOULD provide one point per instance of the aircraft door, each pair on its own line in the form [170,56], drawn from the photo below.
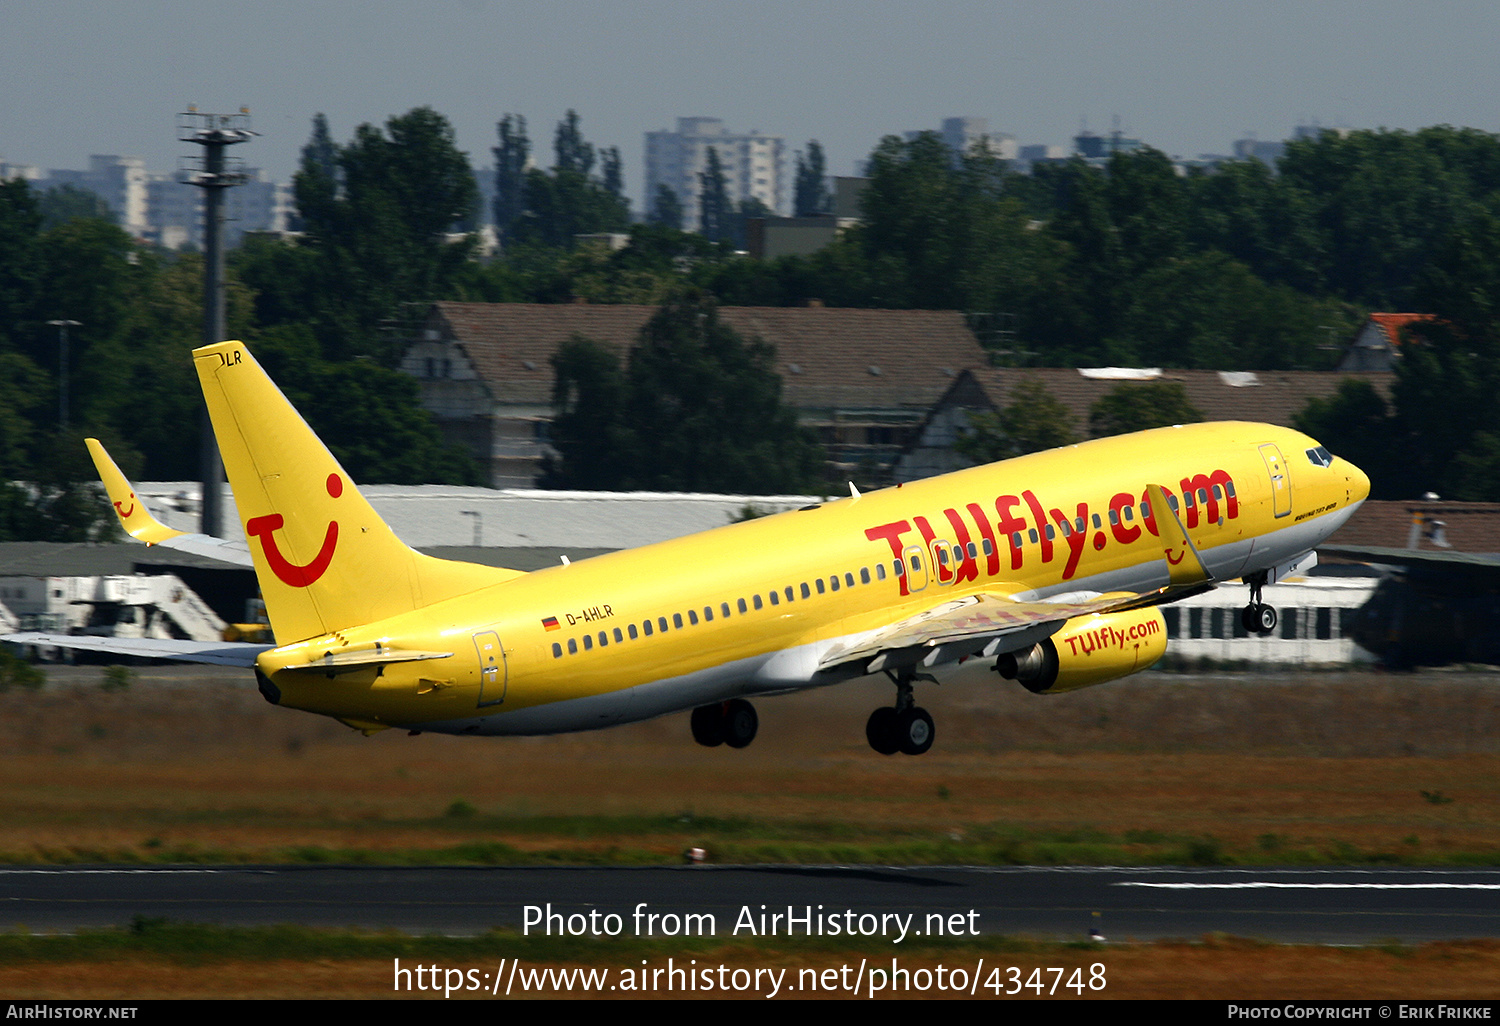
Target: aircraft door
[916,568]
[492,675]
[1281,481]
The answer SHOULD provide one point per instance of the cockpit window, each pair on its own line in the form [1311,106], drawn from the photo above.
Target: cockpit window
[1320,457]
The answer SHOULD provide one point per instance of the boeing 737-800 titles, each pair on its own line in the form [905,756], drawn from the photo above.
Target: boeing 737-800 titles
[1052,565]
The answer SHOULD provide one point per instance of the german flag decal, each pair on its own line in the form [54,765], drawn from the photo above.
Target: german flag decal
[551,624]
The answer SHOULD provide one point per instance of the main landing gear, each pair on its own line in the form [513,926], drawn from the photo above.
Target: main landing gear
[731,723]
[1257,617]
[904,727]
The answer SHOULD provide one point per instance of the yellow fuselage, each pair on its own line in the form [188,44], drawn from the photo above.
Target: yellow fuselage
[748,608]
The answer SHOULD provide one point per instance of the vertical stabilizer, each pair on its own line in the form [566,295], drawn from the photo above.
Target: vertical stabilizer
[324,558]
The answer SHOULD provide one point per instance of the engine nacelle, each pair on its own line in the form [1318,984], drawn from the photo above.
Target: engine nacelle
[1089,650]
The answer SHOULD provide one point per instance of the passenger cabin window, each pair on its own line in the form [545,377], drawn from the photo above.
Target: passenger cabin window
[864,575]
[588,642]
[775,599]
[633,634]
[819,583]
[556,650]
[880,571]
[807,592]
[572,646]
[692,618]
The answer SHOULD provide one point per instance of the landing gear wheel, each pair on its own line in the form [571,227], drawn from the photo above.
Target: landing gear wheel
[708,725]
[1249,619]
[739,723]
[880,731]
[1258,618]
[915,731]
[1265,619]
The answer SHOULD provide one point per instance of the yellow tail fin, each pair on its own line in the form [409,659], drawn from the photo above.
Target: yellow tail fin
[134,518]
[324,558]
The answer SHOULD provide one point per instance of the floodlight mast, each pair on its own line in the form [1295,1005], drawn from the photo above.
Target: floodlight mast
[211,173]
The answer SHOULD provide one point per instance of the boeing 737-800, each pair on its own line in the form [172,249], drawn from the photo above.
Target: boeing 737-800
[1052,565]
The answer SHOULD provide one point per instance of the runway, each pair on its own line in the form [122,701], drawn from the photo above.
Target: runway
[901,904]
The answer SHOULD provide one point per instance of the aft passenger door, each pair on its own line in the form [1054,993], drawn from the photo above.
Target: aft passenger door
[492,675]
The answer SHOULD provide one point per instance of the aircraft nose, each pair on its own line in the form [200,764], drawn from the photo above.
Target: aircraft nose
[1359,482]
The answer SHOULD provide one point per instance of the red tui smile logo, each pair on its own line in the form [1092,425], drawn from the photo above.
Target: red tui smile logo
[286,571]
[125,513]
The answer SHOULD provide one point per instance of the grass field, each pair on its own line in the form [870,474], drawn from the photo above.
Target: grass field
[1343,768]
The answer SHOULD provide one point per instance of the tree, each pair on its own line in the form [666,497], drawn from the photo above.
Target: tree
[572,200]
[666,208]
[714,206]
[378,222]
[812,196]
[1356,423]
[1138,406]
[67,202]
[699,409]
[1032,422]
[511,157]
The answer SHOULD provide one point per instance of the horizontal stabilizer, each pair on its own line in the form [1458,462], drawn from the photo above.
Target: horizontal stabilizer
[214,653]
[362,659]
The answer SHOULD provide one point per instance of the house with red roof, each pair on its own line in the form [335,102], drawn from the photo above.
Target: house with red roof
[1377,344]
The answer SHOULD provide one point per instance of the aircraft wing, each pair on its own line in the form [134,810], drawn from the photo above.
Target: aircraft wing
[215,653]
[138,522]
[1418,559]
[965,626]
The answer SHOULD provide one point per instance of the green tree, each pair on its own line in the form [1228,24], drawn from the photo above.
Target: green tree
[699,409]
[1136,406]
[1033,421]
[811,190]
[66,202]
[510,171]
[666,208]
[1356,423]
[572,200]
[378,227]
[715,209]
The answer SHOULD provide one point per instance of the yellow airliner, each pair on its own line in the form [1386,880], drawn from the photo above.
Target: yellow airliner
[1052,565]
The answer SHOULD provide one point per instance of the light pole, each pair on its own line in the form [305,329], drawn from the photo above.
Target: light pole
[62,368]
[213,132]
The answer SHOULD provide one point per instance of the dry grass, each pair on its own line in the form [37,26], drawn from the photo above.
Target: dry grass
[1326,765]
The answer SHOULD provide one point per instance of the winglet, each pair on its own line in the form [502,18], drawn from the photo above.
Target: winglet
[1187,568]
[134,517]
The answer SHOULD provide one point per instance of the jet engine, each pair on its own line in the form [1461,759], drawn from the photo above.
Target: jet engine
[1089,650]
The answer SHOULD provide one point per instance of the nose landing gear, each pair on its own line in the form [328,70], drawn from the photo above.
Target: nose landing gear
[1257,617]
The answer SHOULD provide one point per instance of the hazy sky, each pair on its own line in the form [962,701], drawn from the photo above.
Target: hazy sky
[1187,76]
